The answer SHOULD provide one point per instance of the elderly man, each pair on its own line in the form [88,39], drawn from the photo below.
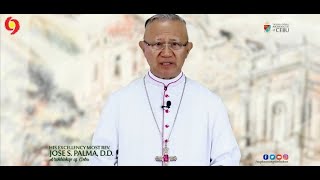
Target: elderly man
[165,118]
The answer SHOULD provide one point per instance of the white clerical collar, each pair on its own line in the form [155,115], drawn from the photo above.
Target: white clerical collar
[158,81]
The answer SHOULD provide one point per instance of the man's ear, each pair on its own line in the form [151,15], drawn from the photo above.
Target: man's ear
[141,44]
[189,47]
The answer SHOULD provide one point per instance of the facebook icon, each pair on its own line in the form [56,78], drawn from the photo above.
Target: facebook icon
[265,156]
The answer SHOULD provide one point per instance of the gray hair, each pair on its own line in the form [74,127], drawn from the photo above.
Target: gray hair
[172,17]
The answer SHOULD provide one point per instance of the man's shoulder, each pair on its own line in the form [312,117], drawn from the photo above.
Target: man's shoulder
[205,95]
[202,90]
[130,88]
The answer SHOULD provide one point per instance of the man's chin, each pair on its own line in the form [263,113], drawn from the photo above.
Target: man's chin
[169,75]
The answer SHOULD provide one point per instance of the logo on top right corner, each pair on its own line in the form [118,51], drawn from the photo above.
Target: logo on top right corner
[267,27]
[276,27]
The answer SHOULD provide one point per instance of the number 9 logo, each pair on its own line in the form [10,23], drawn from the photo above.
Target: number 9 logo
[12,25]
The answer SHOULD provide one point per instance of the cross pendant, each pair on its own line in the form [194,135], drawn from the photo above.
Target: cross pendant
[165,158]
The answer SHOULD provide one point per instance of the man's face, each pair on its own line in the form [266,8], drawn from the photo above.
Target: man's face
[166,52]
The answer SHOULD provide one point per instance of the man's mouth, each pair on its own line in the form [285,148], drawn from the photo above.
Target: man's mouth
[166,63]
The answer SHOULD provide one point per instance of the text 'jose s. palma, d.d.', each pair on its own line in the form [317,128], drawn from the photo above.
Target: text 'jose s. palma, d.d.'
[77,153]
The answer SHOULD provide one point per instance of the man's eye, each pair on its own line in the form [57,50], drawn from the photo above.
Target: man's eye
[158,44]
[175,44]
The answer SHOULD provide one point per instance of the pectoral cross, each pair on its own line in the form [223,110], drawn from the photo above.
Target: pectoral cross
[165,158]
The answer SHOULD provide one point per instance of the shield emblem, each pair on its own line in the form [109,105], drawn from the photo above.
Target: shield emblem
[267,27]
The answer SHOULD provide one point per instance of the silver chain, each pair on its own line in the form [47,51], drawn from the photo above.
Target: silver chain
[145,87]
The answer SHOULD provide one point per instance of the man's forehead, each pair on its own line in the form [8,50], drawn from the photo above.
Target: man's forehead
[170,30]
[169,39]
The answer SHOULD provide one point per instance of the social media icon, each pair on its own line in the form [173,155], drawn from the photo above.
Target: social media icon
[279,156]
[272,156]
[265,156]
[285,156]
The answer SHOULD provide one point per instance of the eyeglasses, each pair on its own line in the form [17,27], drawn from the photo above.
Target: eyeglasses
[161,45]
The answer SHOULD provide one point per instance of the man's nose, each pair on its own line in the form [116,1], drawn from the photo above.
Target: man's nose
[166,51]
